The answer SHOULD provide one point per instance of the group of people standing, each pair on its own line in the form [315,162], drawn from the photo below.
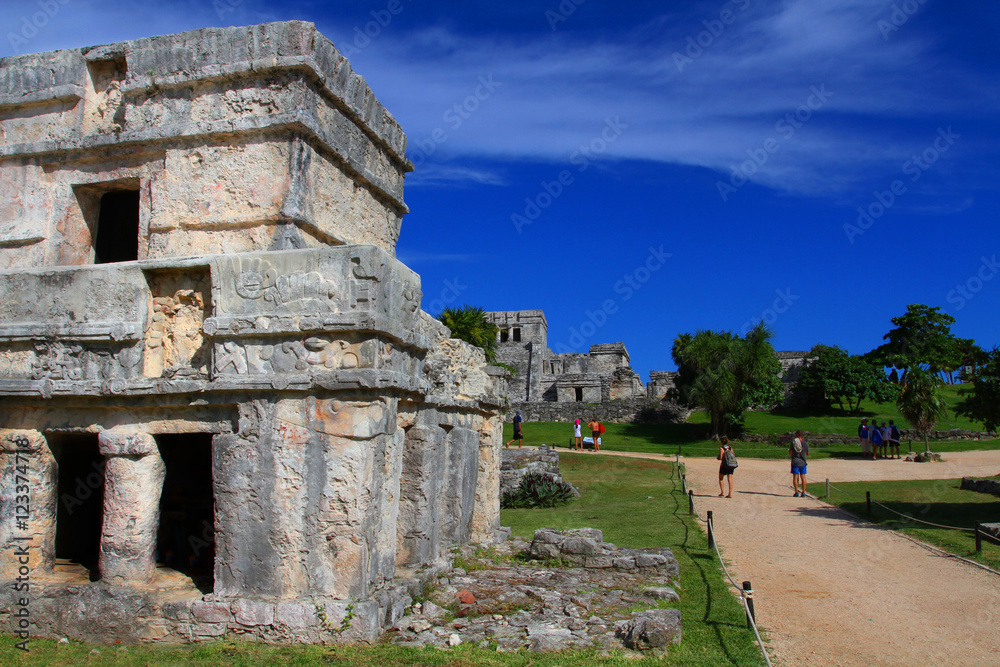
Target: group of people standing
[878,441]
[596,430]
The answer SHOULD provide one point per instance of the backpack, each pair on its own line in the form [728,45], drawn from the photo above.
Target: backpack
[729,458]
[894,433]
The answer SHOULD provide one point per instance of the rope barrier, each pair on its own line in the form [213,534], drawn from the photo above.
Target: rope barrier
[911,518]
[743,594]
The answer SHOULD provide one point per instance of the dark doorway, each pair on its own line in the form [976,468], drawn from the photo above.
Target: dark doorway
[186,538]
[517,335]
[80,489]
[504,335]
[117,238]
[579,394]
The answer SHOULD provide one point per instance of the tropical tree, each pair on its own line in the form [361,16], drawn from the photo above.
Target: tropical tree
[983,405]
[922,338]
[835,375]
[469,323]
[919,402]
[726,374]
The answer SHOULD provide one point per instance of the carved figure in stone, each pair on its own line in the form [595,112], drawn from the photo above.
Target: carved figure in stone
[255,279]
[230,354]
[57,361]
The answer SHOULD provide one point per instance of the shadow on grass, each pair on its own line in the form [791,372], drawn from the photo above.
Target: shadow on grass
[701,559]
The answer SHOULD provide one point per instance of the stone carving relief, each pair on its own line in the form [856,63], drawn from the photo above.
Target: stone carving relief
[310,355]
[56,361]
[256,279]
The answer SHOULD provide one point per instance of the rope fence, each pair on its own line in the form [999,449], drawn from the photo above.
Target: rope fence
[745,592]
[976,530]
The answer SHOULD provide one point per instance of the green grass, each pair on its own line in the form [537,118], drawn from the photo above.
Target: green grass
[615,499]
[940,501]
[638,503]
[691,437]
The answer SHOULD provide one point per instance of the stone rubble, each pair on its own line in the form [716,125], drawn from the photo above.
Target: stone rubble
[527,599]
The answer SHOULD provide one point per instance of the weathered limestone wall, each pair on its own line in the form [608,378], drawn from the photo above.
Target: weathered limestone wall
[237,140]
[340,441]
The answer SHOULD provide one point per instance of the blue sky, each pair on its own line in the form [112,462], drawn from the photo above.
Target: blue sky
[643,169]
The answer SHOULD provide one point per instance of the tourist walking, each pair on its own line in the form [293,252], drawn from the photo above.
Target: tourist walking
[518,435]
[727,467]
[578,434]
[863,438]
[798,453]
[894,438]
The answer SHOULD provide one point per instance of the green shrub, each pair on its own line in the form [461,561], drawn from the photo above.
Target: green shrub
[537,490]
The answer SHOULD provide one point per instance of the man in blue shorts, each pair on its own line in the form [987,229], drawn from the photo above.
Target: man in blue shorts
[798,452]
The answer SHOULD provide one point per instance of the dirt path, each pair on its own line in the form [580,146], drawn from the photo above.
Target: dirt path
[832,590]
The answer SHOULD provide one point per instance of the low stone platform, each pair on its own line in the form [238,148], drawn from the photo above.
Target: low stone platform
[508,599]
[990,486]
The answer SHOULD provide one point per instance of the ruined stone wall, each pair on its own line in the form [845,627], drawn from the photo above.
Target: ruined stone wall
[236,139]
[636,410]
[343,441]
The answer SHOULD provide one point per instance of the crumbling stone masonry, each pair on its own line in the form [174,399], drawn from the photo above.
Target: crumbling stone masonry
[222,410]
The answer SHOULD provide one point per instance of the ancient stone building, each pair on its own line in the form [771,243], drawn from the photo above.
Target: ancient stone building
[603,374]
[218,392]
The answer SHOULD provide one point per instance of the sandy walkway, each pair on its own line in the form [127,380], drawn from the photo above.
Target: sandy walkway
[833,590]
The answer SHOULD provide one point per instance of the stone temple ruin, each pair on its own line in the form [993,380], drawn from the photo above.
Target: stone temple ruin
[216,382]
[561,386]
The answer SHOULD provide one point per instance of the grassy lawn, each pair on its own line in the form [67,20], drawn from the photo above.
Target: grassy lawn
[635,503]
[690,438]
[639,503]
[939,501]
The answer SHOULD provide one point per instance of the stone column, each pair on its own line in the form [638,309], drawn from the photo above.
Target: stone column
[28,481]
[133,481]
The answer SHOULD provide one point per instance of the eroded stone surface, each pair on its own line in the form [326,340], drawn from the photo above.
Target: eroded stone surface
[523,604]
[244,294]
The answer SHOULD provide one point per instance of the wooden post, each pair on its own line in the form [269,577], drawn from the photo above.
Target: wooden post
[748,596]
[979,540]
[711,531]
[690,502]
[684,483]
[868,500]
[828,487]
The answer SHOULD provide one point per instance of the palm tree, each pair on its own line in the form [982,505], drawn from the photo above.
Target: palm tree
[723,373]
[919,402]
[469,323]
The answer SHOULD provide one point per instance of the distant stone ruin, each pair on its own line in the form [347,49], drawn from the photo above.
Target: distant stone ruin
[223,411]
[599,384]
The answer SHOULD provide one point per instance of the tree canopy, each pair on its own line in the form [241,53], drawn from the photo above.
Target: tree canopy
[922,338]
[726,374]
[469,323]
[835,375]
[983,405]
